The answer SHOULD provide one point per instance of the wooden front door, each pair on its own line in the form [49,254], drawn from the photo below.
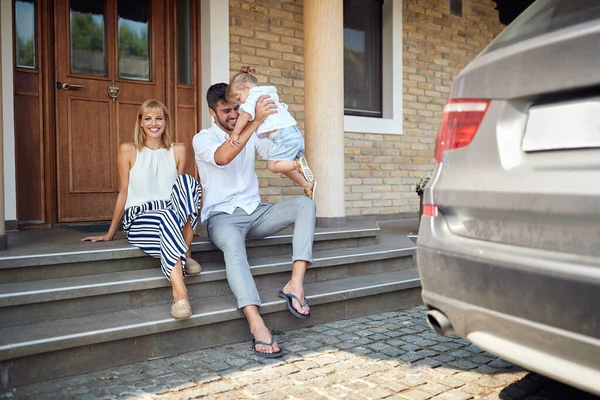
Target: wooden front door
[110,57]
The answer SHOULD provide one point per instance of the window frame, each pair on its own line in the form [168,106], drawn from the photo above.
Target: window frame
[391,121]
[374,50]
[36,63]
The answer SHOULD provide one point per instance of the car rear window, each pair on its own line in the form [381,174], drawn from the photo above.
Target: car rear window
[545,16]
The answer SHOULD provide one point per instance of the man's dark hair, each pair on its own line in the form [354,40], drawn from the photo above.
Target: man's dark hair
[216,94]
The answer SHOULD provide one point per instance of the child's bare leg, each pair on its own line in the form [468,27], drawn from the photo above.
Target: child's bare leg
[297,178]
[282,166]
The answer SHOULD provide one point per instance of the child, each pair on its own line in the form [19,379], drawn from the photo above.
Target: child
[287,151]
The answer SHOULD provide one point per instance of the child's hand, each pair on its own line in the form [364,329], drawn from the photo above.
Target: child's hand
[233,140]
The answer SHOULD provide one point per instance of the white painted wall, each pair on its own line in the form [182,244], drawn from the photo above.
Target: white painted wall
[391,123]
[8,126]
[215,49]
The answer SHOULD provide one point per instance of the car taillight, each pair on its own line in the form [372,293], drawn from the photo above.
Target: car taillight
[460,121]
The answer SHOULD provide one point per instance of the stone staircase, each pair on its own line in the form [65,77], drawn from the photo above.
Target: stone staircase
[68,307]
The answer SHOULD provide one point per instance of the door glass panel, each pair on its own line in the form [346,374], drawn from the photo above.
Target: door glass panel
[134,46]
[88,49]
[25,33]
[184,43]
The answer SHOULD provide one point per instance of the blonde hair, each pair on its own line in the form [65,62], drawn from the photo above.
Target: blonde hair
[246,75]
[139,135]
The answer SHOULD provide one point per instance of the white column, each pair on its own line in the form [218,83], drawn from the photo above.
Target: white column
[214,49]
[324,105]
[8,122]
[3,238]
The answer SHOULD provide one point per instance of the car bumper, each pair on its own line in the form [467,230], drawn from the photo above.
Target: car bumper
[535,308]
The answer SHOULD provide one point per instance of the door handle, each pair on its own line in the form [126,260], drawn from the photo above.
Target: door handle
[68,86]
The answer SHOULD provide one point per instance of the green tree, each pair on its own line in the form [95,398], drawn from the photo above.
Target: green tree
[87,32]
[25,52]
[132,43]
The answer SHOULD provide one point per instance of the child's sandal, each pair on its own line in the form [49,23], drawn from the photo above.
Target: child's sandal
[304,169]
[310,192]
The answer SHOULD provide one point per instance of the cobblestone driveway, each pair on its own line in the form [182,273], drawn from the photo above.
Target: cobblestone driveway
[385,356]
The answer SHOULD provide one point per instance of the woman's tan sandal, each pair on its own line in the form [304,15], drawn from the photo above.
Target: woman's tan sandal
[304,169]
[181,309]
[192,267]
[310,192]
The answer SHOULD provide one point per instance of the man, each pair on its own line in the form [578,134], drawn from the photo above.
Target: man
[232,211]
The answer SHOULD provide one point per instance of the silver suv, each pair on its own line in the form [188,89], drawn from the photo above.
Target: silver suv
[509,242]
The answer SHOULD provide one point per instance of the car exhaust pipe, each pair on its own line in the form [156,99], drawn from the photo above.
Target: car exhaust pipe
[438,321]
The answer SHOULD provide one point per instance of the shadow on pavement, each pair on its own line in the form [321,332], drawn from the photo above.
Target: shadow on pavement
[538,387]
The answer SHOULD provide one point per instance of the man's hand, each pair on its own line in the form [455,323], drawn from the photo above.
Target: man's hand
[265,106]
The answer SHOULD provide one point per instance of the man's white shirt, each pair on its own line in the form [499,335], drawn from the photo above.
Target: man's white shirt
[227,187]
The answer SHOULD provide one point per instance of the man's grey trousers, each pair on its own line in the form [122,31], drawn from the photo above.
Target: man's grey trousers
[229,233]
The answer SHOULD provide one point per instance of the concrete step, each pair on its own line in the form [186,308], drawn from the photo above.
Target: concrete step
[50,299]
[69,307]
[34,256]
[59,348]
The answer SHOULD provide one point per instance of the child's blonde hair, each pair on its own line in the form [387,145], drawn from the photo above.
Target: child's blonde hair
[139,135]
[246,75]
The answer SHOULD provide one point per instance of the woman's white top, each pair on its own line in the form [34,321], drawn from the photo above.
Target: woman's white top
[151,177]
[281,119]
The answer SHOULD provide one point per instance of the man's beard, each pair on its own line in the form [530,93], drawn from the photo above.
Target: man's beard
[223,125]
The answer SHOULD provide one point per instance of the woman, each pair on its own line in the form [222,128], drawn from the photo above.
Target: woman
[158,204]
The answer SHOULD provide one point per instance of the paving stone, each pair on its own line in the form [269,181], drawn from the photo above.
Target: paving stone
[391,355]
[392,352]
[220,387]
[294,348]
[193,393]
[413,380]
[445,358]
[433,388]
[500,363]
[453,344]
[395,387]
[461,354]
[362,350]
[346,345]
[467,376]
[393,334]
[454,395]
[428,362]
[474,389]
[411,356]
[414,394]
[440,348]
[364,341]
[259,389]
[379,393]
[306,365]
[489,382]
[303,376]
[378,346]
[462,364]
[451,381]
[378,337]
[410,347]
[419,341]
[473,349]
[480,359]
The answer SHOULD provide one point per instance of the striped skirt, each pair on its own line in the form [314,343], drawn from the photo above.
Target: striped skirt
[156,227]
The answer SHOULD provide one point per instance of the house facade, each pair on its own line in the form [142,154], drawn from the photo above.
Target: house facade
[366,80]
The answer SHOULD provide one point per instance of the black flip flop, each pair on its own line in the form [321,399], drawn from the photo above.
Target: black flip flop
[266,355]
[288,298]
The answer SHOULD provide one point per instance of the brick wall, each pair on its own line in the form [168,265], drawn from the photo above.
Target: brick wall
[381,170]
